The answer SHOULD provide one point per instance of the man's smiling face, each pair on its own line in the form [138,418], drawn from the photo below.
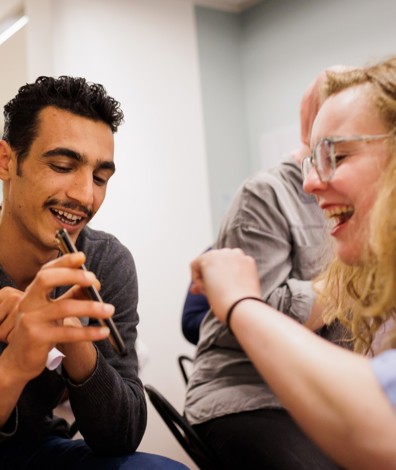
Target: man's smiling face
[63,180]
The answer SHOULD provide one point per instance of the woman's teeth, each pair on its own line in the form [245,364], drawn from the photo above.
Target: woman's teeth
[339,214]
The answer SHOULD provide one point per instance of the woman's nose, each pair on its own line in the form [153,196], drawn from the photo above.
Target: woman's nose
[312,183]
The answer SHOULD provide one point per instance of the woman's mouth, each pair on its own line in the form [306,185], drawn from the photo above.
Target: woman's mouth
[339,215]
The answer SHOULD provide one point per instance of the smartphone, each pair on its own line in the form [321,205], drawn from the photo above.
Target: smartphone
[66,245]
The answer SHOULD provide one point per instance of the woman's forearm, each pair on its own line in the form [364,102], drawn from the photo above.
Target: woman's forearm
[331,392]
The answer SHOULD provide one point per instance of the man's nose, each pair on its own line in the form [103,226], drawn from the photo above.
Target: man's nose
[82,188]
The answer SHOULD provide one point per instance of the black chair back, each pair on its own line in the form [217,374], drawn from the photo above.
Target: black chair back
[183,360]
[183,431]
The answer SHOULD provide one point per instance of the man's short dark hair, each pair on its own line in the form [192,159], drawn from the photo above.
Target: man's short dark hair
[72,94]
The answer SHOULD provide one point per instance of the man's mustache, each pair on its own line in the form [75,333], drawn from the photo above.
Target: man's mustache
[69,205]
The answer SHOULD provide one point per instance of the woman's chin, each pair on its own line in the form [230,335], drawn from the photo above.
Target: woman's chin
[351,256]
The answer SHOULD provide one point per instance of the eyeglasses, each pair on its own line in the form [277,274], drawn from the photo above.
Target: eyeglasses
[324,157]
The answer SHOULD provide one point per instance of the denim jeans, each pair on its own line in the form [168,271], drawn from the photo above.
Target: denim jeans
[65,454]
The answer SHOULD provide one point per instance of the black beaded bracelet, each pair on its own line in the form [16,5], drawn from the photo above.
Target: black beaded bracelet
[231,309]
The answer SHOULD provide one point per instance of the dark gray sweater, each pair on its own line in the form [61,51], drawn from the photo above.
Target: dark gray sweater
[110,407]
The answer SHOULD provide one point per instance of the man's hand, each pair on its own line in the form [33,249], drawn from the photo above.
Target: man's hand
[9,305]
[40,321]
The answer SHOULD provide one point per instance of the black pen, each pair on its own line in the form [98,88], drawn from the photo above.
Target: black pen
[66,245]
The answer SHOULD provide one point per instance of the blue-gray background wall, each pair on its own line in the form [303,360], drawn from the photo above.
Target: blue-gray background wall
[256,65]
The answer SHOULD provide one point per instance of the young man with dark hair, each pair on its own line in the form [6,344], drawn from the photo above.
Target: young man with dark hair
[56,158]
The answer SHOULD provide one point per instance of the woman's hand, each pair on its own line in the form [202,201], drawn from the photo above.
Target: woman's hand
[224,276]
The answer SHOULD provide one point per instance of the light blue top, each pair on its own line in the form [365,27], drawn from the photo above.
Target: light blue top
[384,366]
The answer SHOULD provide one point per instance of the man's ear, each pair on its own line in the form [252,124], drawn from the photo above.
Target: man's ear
[5,160]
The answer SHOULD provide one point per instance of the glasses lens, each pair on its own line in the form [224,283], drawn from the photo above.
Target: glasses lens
[324,162]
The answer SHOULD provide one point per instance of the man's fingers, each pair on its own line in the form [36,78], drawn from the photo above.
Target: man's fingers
[46,280]
[60,309]
[46,325]
[71,260]
[78,292]
[73,334]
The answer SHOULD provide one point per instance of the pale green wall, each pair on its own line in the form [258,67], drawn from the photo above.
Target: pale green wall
[288,42]
[256,65]
[13,73]
[220,45]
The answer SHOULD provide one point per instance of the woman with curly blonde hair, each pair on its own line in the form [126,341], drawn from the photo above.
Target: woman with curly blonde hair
[362,295]
[345,401]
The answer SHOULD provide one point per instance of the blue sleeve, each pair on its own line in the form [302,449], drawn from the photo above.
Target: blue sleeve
[384,367]
[195,308]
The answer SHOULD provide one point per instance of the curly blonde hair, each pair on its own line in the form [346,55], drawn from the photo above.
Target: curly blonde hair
[363,297]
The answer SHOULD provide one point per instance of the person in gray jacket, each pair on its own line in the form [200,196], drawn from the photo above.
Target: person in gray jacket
[227,401]
[56,158]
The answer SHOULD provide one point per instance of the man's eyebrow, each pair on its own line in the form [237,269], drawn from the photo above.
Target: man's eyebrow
[107,166]
[58,151]
[66,152]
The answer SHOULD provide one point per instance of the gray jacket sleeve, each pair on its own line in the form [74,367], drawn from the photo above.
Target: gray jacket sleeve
[282,229]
